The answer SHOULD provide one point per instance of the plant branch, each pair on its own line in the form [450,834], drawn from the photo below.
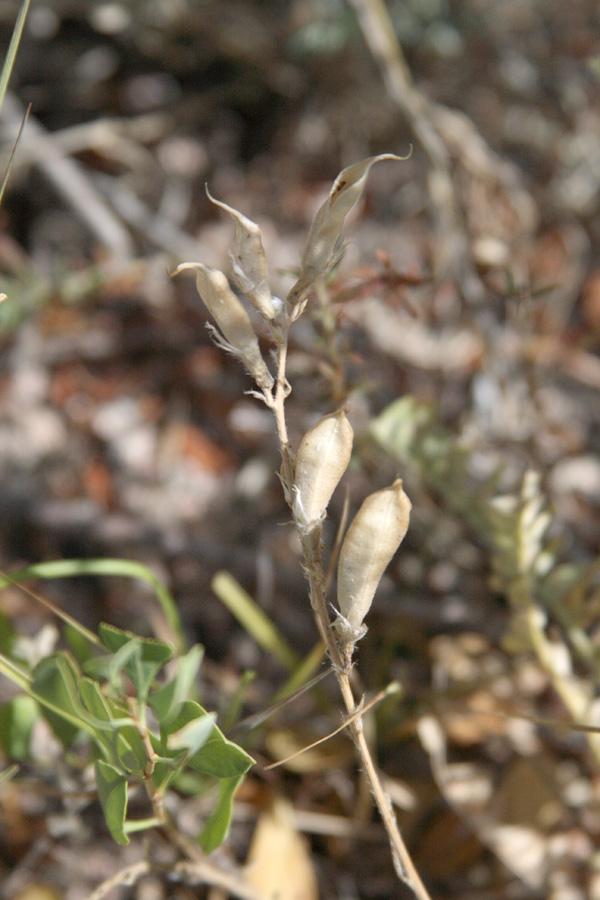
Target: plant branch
[310,476]
[404,865]
[339,655]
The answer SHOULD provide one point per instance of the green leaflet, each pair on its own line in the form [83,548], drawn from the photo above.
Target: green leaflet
[165,702]
[217,756]
[17,718]
[120,739]
[217,825]
[145,656]
[55,685]
[112,793]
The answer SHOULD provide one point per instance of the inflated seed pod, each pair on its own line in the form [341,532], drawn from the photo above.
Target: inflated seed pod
[370,543]
[232,319]
[322,244]
[322,459]
[248,260]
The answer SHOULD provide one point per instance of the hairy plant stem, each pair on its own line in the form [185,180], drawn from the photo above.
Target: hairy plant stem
[340,656]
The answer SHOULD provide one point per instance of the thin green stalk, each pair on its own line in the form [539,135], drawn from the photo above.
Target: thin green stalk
[11,54]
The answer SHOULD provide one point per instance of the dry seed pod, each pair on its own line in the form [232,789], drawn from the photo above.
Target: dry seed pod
[249,261]
[322,459]
[320,250]
[232,319]
[370,543]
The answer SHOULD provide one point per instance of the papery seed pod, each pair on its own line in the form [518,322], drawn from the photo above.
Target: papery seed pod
[370,543]
[231,317]
[320,249]
[248,260]
[322,459]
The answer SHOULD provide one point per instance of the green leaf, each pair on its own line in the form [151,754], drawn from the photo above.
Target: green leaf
[162,776]
[166,771]
[121,740]
[95,702]
[79,645]
[130,749]
[218,756]
[148,656]
[112,793]
[165,702]
[17,718]
[109,667]
[188,711]
[221,757]
[193,735]
[129,745]
[115,664]
[7,634]
[11,54]
[217,825]
[54,684]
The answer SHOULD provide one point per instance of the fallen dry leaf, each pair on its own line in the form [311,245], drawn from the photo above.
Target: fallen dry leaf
[279,866]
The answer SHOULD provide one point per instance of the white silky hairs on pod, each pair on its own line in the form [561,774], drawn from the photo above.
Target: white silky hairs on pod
[370,543]
[249,261]
[322,459]
[238,335]
[320,250]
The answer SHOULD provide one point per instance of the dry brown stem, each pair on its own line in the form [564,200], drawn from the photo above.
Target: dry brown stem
[340,655]
[451,243]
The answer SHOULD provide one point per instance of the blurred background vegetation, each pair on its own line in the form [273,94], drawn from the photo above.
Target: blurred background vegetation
[463,328]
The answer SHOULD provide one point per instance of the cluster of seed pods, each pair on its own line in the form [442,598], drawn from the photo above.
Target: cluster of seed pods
[325,450]
[373,536]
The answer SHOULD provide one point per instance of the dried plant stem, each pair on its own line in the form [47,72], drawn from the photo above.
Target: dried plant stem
[403,862]
[191,872]
[339,656]
[127,876]
[452,245]
[311,549]
[309,479]
[276,402]
[381,39]
[360,711]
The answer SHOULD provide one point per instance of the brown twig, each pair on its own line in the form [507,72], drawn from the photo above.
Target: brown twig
[191,872]
[360,711]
